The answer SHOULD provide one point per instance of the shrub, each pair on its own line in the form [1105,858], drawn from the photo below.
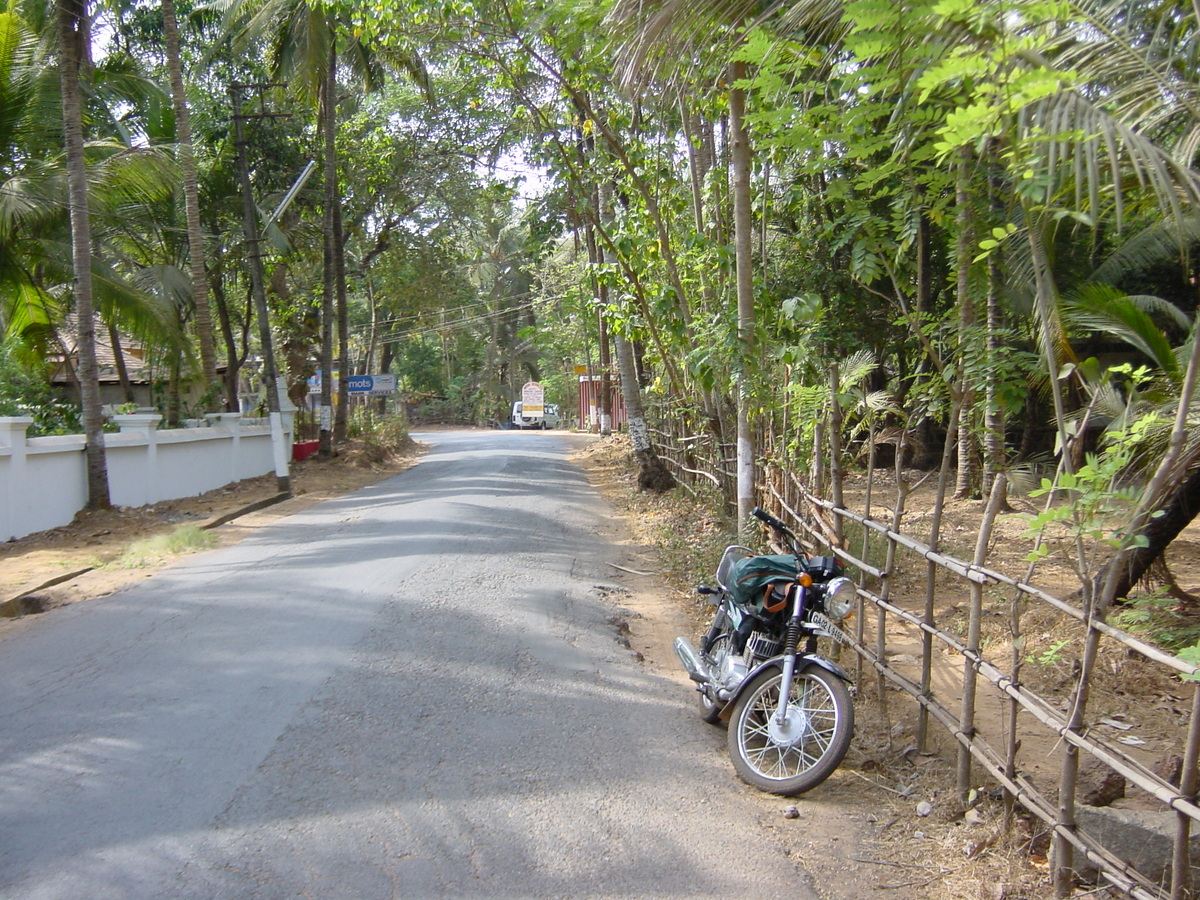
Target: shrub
[25,391]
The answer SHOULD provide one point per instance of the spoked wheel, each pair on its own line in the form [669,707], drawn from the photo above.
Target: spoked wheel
[795,755]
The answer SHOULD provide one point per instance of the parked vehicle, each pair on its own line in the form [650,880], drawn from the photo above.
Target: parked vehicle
[549,417]
[789,709]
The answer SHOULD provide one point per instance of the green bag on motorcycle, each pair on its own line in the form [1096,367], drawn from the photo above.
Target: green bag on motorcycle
[753,579]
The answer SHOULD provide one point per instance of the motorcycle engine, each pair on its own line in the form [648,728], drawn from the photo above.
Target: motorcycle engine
[761,646]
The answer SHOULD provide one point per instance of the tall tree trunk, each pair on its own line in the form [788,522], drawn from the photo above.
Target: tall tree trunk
[74,43]
[596,259]
[329,290]
[653,474]
[743,227]
[697,162]
[373,334]
[270,371]
[968,457]
[604,401]
[339,275]
[698,137]
[924,442]
[233,359]
[114,338]
[191,200]
[1178,512]
[995,450]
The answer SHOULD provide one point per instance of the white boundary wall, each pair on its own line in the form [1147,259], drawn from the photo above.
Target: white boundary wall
[43,480]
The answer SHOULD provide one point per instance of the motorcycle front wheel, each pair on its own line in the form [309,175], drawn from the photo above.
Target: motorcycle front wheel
[792,757]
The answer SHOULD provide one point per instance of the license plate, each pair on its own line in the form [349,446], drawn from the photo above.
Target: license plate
[825,624]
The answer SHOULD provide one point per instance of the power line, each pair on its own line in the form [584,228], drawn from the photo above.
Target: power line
[470,320]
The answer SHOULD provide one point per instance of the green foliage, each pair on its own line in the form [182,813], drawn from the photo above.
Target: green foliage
[24,391]
[1163,620]
[1096,502]
[418,366]
[1191,656]
[1050,655]
[384,430]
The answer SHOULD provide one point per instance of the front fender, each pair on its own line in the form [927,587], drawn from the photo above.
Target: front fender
[803,661]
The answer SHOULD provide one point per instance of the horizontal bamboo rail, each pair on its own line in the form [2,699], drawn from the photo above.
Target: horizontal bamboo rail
[1122,875]
[713,465]
[1117,872]
[987,576]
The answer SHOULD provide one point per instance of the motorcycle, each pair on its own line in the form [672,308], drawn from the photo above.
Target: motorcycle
[789,710]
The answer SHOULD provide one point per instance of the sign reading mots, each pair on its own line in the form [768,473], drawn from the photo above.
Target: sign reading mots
[372,384]
[533,399]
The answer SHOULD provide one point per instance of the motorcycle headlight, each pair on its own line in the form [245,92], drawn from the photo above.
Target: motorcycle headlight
[840,598]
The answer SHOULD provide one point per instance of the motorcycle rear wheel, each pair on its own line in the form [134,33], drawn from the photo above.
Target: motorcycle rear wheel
[719,650]
[796,757]
[716,648]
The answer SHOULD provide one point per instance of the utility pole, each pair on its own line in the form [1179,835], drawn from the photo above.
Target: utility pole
[254,258]
[605,400]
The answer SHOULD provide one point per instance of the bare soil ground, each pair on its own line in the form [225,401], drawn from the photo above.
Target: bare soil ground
[888,823]
[910,836]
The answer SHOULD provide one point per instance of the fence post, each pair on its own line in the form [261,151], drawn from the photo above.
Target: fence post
[1181,860]
[146,424]
[835,451]
[935,538]
[14,487]
[967,719]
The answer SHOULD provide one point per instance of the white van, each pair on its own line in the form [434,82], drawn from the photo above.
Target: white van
[548,419]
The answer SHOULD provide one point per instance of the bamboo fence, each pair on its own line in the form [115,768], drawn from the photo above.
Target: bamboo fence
[985,749]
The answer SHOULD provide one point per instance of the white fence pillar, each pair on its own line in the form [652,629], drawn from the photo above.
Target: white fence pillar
[147,489]
[233,422]
[14,479]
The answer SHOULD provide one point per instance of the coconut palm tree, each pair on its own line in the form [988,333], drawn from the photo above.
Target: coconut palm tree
[74,41]
[191,196]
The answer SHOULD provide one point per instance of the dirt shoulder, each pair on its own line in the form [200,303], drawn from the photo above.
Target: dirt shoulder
[888,823]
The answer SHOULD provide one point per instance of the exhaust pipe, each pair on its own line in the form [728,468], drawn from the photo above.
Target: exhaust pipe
[696,668]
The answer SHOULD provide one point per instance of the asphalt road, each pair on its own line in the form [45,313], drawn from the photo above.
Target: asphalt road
[413,691]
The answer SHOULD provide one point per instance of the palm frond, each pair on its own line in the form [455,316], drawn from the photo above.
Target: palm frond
[668,39]
[1158,243]
[855,368]
[26,307]
[1104,308]
[1109,149]
[120,176]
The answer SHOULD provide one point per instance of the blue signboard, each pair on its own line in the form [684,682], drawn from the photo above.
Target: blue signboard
[371,384]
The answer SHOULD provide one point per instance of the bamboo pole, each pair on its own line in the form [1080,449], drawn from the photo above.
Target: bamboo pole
[860,624]
[935,529]
[1122,876]
[1076,738]
[836,475]
[1181,858]
[1017,659]
[967,718]
[987,576]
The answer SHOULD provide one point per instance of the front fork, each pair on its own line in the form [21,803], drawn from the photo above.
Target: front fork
[791,641]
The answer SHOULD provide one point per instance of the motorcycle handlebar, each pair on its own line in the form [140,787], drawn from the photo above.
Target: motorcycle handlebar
[763,516]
